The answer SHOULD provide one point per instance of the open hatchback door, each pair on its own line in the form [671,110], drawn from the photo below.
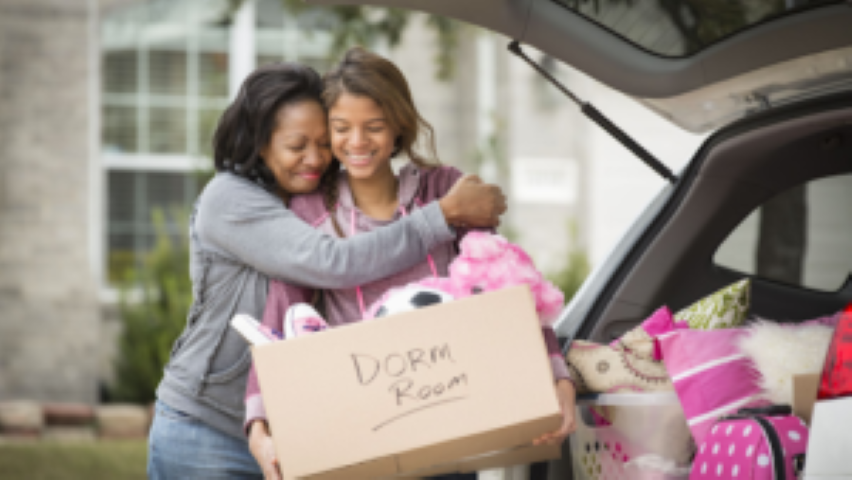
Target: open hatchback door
[768,196]
[772,78]
[701,64]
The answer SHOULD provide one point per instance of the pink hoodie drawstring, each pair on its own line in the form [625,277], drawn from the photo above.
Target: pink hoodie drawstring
[352,233]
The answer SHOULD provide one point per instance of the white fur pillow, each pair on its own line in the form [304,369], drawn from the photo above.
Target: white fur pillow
[781,351]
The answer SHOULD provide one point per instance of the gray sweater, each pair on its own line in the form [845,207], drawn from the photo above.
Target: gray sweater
[240,236]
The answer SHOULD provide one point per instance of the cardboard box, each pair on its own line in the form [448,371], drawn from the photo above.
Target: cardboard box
[425,392]
[804,395]
[503,458]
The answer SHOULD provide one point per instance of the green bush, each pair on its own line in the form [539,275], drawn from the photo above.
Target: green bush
[153,306]
[574,271]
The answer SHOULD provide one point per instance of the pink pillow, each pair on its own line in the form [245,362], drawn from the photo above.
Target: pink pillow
[711,376]
[658,323]
[661,322]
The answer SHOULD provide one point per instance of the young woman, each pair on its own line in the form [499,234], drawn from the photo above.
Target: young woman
[271,142]
[372,119]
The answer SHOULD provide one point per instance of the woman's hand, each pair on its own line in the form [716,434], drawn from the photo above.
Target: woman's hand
[472,203]
[263,450]
[567,397]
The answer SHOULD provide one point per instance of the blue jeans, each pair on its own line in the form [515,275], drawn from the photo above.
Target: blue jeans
[182,447]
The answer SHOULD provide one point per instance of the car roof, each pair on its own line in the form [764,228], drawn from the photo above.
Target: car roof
[632,47]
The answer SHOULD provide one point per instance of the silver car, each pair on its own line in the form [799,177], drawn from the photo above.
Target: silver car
[768,196]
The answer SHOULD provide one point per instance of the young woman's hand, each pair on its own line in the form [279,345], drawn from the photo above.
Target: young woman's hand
[567,403]
[263,450]
[472,203]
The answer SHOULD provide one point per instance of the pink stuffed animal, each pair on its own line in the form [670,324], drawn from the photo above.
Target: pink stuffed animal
[487,263]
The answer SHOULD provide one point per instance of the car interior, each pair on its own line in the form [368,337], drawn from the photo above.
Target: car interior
[674,260]
[768,195]
[738,170]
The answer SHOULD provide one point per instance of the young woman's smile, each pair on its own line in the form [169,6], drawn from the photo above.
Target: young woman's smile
[361,137]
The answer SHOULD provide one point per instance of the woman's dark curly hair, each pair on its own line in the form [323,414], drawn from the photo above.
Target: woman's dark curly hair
[247,124]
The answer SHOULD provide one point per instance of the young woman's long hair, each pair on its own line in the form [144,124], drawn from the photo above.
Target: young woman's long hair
[364,74]
[246,126]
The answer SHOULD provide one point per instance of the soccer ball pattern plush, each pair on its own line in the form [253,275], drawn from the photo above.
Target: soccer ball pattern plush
[485,263]
[411,297]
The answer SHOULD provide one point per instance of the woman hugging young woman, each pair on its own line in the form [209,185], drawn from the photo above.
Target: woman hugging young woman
[271,144]
[372,120]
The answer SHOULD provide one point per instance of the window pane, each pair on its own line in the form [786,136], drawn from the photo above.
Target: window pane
[801,237]
[122,194]
[168,130]
[121,257]
[119,71]
[267,59]
[167,72]
[314,19]
[321,65]
[146,241]
[165,191]
[133,199]
[119,129]
[269,14]
[208,119]
[213,74]
[161,13]
[123,224]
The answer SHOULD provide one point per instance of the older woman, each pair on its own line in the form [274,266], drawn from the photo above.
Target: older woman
[272,142]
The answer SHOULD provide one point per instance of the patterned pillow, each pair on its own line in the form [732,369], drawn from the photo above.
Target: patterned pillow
[726,308]
[597,368]
[629,363]
[642,340]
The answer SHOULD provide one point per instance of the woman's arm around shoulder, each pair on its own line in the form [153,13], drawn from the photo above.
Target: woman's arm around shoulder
[436,182]
[241,221]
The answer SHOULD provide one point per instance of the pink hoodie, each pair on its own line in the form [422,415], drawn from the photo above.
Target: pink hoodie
[416,187]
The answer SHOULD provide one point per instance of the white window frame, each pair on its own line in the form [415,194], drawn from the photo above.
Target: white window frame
[242,56]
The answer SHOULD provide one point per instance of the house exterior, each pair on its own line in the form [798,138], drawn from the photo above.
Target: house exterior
[108,109]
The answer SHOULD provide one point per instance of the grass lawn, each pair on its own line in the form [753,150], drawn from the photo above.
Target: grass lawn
[107,460]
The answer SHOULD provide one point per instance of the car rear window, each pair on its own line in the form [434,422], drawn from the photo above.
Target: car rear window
[801,237]
[678,28]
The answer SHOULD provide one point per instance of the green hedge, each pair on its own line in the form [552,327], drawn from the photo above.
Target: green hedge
[154,304]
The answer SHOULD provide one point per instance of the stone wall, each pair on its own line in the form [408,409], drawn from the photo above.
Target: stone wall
[49,313]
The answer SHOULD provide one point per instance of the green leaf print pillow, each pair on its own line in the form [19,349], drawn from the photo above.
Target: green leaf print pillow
[724,309]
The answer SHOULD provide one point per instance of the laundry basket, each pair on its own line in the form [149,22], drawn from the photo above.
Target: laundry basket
[629,436]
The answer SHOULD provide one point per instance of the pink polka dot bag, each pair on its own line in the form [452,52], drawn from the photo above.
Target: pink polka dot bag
[766,443]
